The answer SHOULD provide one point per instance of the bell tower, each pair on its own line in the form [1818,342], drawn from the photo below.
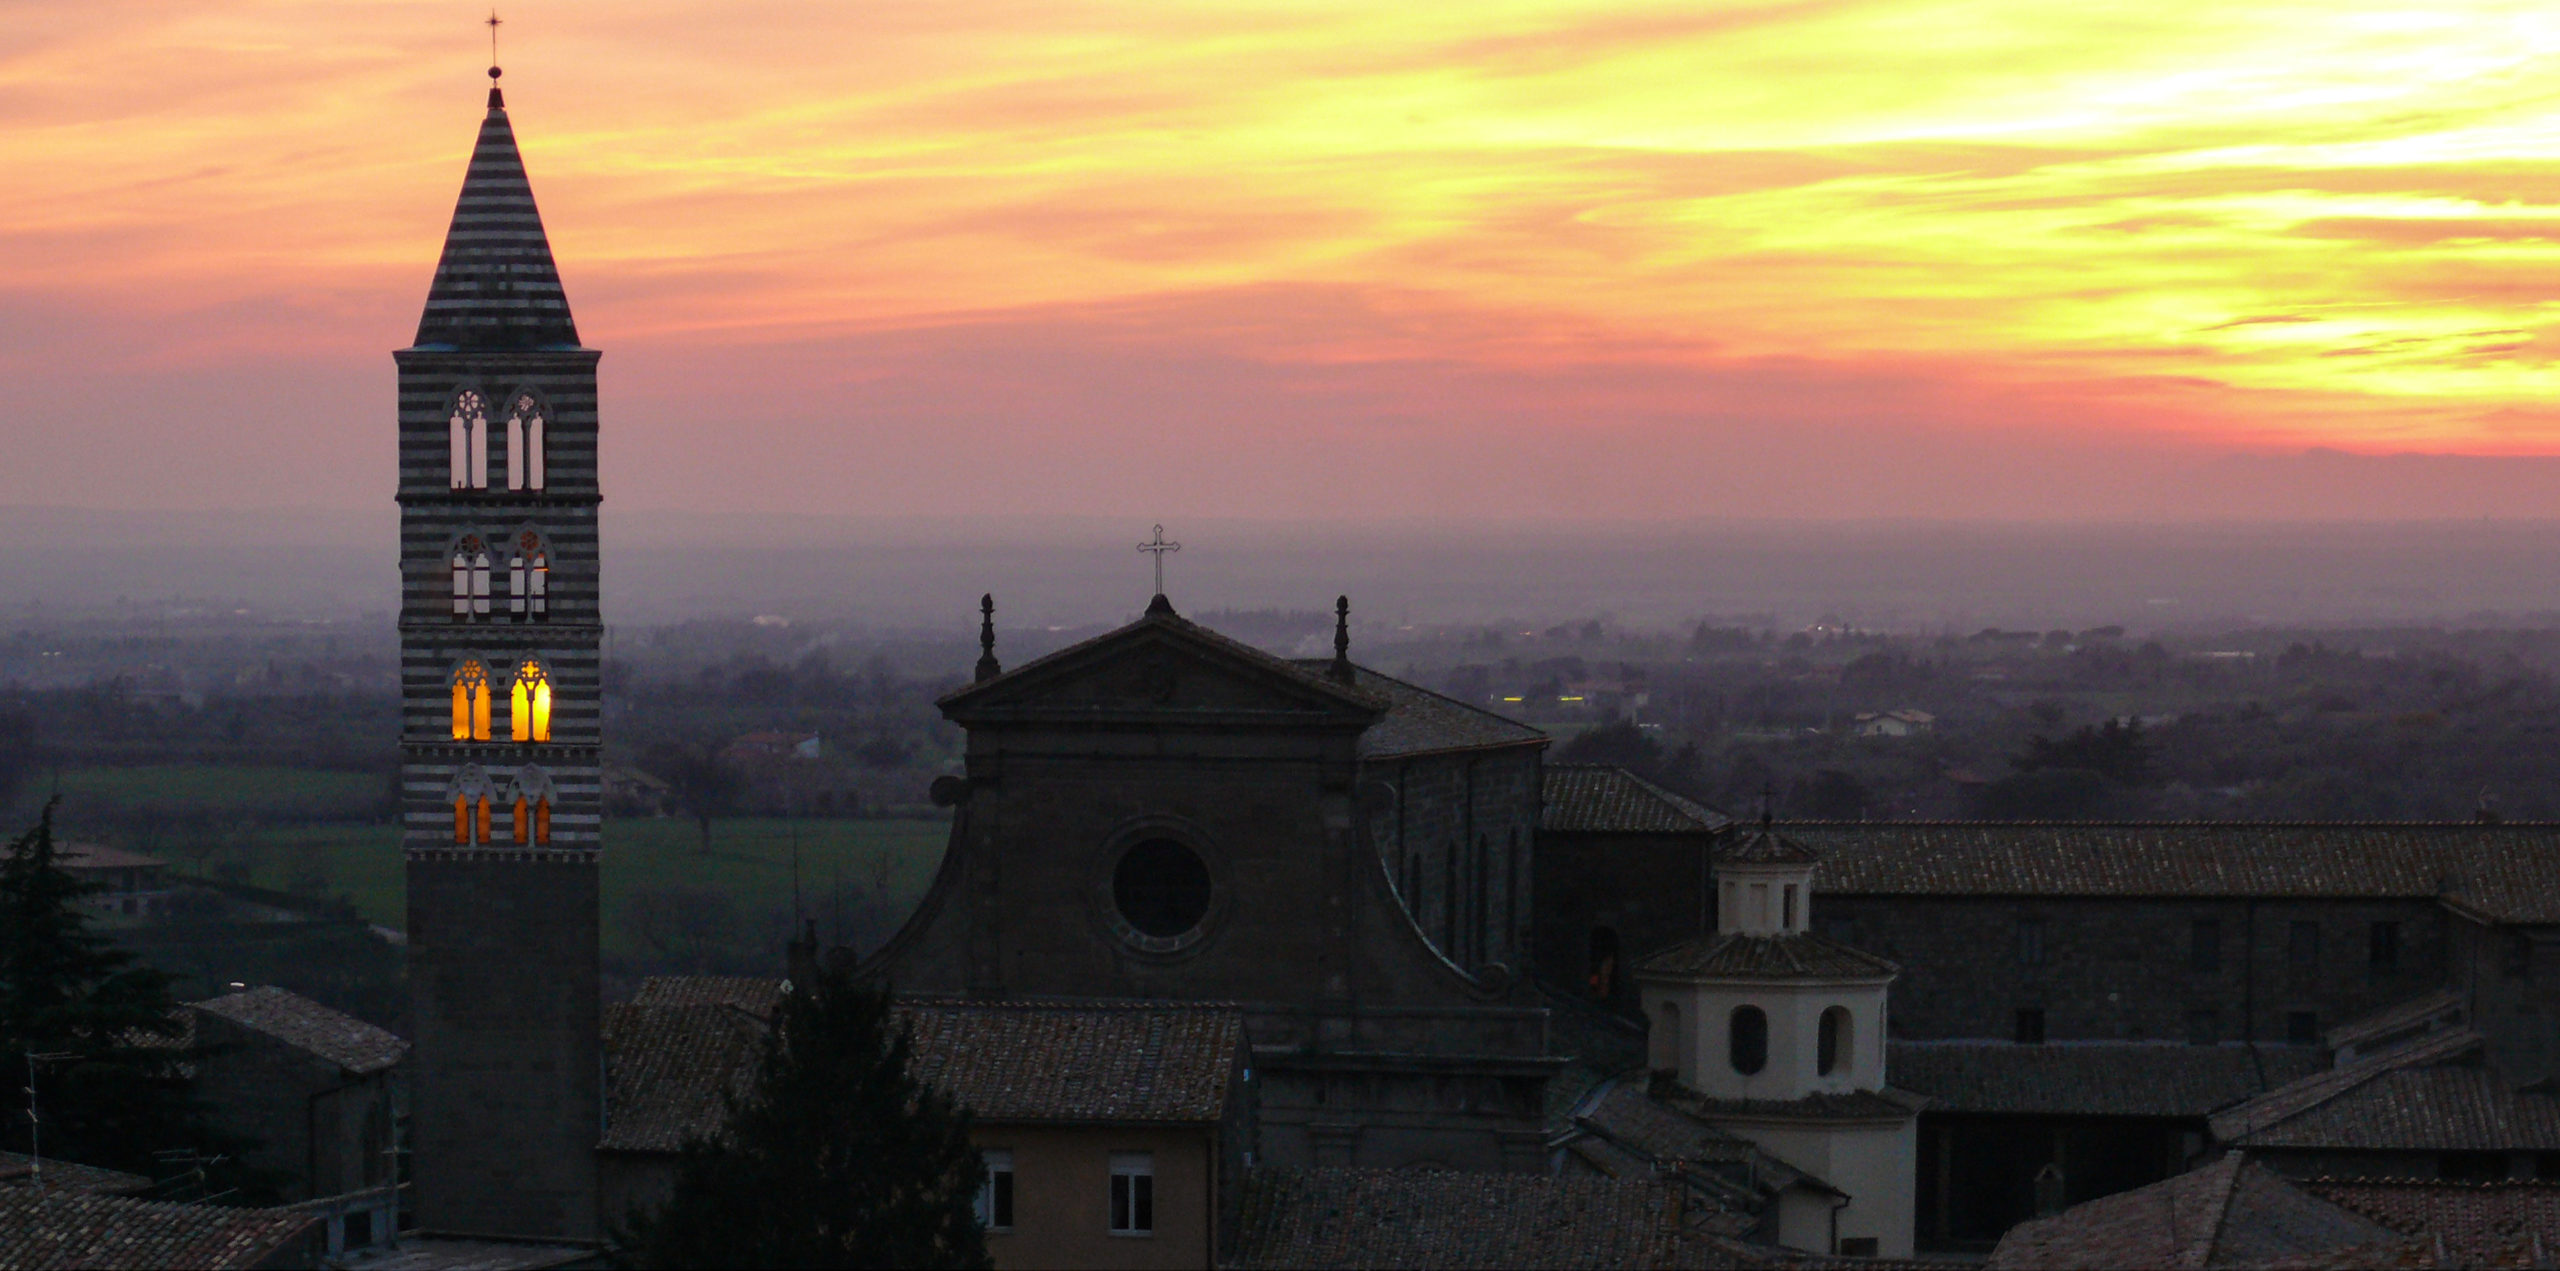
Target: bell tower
[499,640]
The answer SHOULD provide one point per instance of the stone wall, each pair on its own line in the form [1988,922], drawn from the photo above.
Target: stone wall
[1458,833]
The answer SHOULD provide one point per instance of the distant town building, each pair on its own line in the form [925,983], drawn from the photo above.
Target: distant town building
[131,884]
[1895,723]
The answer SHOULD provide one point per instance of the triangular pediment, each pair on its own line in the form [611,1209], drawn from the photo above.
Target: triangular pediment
[1167,668]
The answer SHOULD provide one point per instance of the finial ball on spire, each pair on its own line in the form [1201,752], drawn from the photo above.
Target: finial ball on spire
[494,72]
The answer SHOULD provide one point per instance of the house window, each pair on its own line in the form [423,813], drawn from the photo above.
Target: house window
[2382,948]
[2301,1028]
[995,1199]
[2204,1027]
[1133,1194]
[2030,1025]
[2031,942]
[2204,946]
[1747,1039]
[1831,1040]
[1857,1246]
[2302,951]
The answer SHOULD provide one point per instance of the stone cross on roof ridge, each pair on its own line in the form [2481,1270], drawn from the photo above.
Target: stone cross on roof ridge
[1157,547]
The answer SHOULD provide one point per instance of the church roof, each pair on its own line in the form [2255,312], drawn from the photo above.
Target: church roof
[668,1066]
[1756,957]
[1160,625]
[2307,1094]
[496,286]
[2501,872]
[1593,798]
[1420,722]
[2510,1223]
[306,1025]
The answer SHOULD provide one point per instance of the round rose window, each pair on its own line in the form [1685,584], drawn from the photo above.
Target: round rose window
[1161,888]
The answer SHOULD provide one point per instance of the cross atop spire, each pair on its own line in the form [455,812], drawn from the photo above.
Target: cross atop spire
[496,286]
[1157,546]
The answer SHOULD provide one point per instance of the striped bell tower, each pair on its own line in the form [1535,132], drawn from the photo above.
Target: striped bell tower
[499,640]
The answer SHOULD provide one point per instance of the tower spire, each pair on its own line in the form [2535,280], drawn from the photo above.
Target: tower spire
[496,286]
[494,22]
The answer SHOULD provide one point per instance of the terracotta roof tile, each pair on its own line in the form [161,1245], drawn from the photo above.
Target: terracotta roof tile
[298,1021]
[2229,1213]
[2444,1108]
[2502,872]
[748,993]
[1035,1061]
[1586,798]
[1337,1217]
[2304,1094]
[2502,1224]
[2126,1079]
[1801,957]
[83,1229]
[18,1170]
[667,1068]
[1760,843]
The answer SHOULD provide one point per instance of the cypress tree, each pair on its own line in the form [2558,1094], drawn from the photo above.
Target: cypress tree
[109,1070]
[836,1156]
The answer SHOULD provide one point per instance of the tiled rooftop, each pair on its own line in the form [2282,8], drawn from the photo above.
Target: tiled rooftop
[682,1041]
[84,856]
[2126,1079]
[85,1229]
[1337,1217]
[2441,1108]
[1799,957]
[2500,871]
[18,1170]
[2229,1213]
[341,1039]
[667,1066]
[2278,1107]
[1762,843]
[1590,798]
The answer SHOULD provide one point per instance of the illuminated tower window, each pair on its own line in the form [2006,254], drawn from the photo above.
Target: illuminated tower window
[531,797]
[471,701]
[529,703]
[529,579]
[468,432]
[470,579]
[470,796]
[524,445]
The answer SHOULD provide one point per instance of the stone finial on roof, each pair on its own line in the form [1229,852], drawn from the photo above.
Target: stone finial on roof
[1341,668]
[988,668]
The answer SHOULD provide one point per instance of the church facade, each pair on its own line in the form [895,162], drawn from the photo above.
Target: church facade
[1164,813]
[499,637]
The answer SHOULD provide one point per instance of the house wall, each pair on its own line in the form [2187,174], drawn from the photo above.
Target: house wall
[1062,1196]
[1645,890]
[323,1131]
[1875,1164]
[2514,977]
[2119,969]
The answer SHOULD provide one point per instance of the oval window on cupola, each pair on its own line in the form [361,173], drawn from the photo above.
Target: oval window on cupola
[1748,1037]
[1831,1041]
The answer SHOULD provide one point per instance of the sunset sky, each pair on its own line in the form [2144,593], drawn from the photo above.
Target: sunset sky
[1320,260]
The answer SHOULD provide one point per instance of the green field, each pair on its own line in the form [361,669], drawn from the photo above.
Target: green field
[218,791]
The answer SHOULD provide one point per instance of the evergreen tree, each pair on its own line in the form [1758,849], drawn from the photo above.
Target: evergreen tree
[835,1157]
[108,1067]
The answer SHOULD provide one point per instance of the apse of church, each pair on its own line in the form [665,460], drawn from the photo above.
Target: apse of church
[500,633]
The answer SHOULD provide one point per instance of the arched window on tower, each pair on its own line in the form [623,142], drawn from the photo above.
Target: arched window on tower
[471,701]
[470,579]
[467,434]
[529,703]
[529,579]
[524,444]
[532,795]
[470,795]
